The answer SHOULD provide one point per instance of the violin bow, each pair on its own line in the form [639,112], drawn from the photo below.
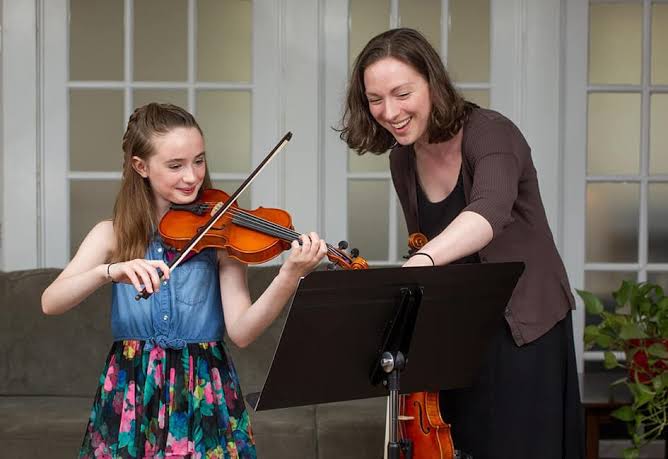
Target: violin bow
[221,211]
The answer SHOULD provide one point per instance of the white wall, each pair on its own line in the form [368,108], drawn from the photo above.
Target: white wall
[527,34]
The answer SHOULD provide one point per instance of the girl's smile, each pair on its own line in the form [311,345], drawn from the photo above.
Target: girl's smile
[177,168]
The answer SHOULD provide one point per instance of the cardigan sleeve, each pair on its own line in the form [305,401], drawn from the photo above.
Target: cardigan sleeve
[494,151]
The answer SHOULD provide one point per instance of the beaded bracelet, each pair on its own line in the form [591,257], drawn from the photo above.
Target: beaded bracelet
[426,255]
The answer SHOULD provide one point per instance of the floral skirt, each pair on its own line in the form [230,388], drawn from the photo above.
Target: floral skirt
[168,403]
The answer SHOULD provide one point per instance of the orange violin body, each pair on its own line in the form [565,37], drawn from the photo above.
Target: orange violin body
[421,422]
[180,223]
[250,236]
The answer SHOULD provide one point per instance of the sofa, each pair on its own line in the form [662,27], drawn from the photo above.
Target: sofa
[50,365]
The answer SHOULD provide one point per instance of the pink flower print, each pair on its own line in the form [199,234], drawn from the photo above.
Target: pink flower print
[208,393]
[217,385]
[128,414]
[111,377]
[190,373]
[158,377]
[96,438]
[101,451]
[157,353]
[177,447]
[149,449]
[161,416]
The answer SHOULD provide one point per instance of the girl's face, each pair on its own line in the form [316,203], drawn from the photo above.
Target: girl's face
[177,167]
[398,99]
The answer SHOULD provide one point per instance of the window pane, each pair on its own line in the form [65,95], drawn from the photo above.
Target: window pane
[658,223]
[90,203]
[660,43]
[224,30]
[423,15]
[160,40]
[660,278]
[477,96]
[615,37]
[658,143]
[368,18]
[402,234]
[613,138]
[368,217]
[96,130]
[145,96]
[612,222]
[602,284]
[368,162]
[225,118]
[96,40]
[468,40]
[230,186]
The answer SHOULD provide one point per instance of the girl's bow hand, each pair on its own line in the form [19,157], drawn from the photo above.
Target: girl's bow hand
[140,273]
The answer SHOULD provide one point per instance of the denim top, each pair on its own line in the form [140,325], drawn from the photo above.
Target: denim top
[187,309]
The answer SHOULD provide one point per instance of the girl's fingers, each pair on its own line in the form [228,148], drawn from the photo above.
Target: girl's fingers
[134,280]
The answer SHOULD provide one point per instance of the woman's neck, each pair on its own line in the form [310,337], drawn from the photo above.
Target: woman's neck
[440,152]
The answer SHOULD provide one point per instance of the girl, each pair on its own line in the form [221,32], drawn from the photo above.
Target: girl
[465,178]
[169,388]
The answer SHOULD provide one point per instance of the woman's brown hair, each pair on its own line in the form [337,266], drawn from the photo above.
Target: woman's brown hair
[135,208]
[448,108]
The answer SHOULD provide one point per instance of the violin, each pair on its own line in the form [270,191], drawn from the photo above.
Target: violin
[420,419]
[250,236]
[215,220]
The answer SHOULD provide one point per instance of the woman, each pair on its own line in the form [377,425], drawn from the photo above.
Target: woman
[465,178]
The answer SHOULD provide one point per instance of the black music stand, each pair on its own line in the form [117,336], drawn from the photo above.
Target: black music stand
[348,331]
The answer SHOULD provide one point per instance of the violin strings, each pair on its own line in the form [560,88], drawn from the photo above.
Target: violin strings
[269,227]
[273,229]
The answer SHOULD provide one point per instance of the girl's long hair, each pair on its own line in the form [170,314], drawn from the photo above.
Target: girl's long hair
[449,110]
[135,209]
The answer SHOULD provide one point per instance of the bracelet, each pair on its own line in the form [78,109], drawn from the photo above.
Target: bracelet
[109,274]
[426,255]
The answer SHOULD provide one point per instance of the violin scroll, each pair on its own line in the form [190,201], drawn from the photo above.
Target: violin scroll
[343,260]
[415,242]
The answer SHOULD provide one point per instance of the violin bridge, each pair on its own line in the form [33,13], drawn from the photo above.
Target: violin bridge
[405,418]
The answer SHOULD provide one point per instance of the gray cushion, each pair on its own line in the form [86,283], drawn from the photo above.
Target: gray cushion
[50,355]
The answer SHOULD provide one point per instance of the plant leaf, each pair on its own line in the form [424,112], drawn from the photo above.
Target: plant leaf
[631,331]
[623,294]
[592,303]
[631,453]
[624,413]
[609,361]
[591,333]
[658,350]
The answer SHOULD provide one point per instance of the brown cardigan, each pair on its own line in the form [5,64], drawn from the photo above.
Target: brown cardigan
[501,185]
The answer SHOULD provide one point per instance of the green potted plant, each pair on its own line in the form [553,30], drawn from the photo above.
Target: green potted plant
[638,327]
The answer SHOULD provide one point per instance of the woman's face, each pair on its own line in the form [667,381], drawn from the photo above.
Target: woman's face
[398,99]
[177,167]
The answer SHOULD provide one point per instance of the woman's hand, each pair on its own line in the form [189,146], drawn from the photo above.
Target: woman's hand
[305,257]
[140,273]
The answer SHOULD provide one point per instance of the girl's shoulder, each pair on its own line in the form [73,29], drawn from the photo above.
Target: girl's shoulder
[102,236]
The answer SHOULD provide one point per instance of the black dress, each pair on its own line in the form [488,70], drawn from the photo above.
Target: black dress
[526,402]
